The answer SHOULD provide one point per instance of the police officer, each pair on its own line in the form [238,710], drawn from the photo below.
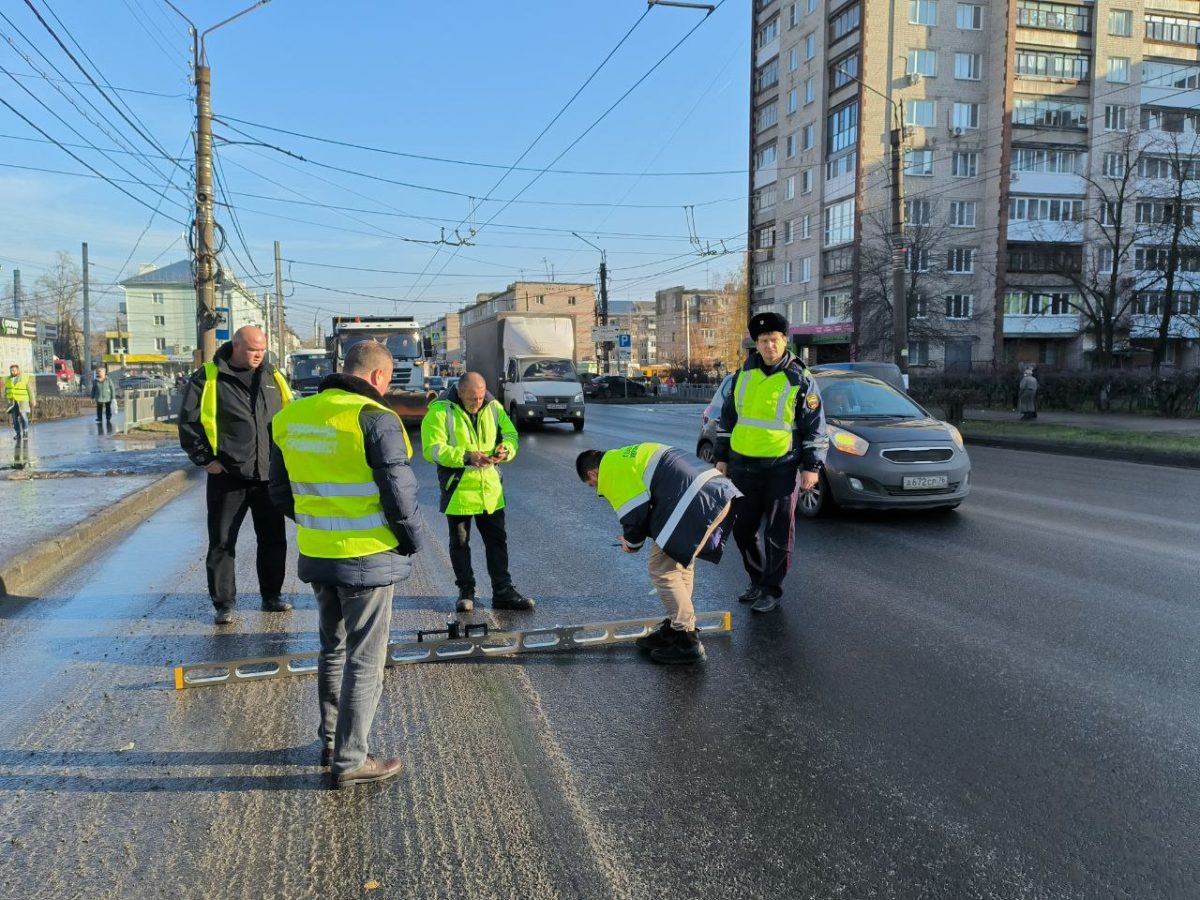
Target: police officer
[18,391]
[771,441]
[341,469]
[678,502]
[468,435]
[225,427]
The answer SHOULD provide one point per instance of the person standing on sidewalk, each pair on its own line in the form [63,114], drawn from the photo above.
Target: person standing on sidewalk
[104,392]
[225,427]
[340,467]
[679,502]
[772,441]
[468,435]
[1027,395]
[19,393]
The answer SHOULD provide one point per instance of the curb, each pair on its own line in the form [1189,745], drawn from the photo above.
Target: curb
[1092,451]
[50,558]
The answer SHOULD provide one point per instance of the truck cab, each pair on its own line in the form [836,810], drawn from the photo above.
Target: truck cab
[537,388]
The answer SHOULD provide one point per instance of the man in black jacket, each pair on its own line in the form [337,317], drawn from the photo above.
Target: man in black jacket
[340,469]
[225,427]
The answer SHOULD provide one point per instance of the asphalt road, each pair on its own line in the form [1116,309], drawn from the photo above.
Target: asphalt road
[998,702]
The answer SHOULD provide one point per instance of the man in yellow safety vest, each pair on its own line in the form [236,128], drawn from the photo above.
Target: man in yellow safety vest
[18,394]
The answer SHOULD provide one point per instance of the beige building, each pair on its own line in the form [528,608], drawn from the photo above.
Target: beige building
[1021,121]
[693,326]
[443,335]
[544,298]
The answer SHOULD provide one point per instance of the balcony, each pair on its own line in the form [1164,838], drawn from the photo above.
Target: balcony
[1145,326]
[1017,326]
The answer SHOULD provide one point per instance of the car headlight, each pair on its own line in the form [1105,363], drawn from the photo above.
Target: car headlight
[529,398]
[578,398]
[848,442]
[955,435]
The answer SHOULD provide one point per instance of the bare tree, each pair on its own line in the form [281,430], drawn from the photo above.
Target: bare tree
[62,287]
[731,328]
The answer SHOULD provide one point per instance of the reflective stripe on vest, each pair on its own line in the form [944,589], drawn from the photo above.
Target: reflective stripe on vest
[17,389]
[339,513]
[766,410]
[685,501]
[208,401]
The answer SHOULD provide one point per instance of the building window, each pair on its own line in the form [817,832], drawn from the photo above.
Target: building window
[789,146]
[916,259]
[1045,64]
[765,198]
[922,62]
[1040,112]
[812,6]
[1061,259]
[1170,75]
[1106,213]
[764,275]
[789,188]
[918,162]
[1104,260]
[918,305]
[810,91]
[843,70]
[793,59]
[1114,165]
[767,76]
[789,232]
[835,306]
[918,212]
[1187,168]
[1120,22]
[806,181]
[1114,118]
[922,12]
[1165,212]
[766,157]
[806,270]
[1170,120]
[920,113]
[1045,209]
[1172,30]
[839,223]
[766,237]
[160,320]
[807,134]
[964,165]
[787,272]
[838,261]
[968,66]
[810,45]
[969,17]
[965,116]
[962,213]
[157,298]
[793,15]
[958,306]
[1054,16]
[806,227]
[918,351]
[841,165]
[767,33]
[160,343]
[768,115]
[842,127]
[1118,69]
[1036,159]
[961,261]
[845,22]
[1030,303]
[793,105]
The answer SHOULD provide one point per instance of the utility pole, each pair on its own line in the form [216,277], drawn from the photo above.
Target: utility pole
[266,302]
[16,293]
[280,329]
[899,285]
[602,306]
[85,378]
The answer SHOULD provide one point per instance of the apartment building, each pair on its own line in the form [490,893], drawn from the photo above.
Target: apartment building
[638,319]
[1022,124]
[442,335]
[693,326]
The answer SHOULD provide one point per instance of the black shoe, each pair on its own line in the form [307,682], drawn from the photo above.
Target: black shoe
[466,600]
[326,757]
[223,615]
[765,603]
[514,600]
[750,594]
[684,649]
[275,604]
[659,637]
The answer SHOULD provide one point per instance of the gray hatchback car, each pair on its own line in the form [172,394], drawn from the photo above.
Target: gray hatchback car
[885,451]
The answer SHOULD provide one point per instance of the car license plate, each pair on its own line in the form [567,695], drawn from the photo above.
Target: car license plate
[925,482]
[556,407]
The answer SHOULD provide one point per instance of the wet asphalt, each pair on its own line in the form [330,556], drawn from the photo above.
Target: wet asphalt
[998,702]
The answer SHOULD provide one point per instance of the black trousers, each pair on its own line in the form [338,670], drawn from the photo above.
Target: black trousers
[495,548]
[229,498]
[104,410]
[765,526]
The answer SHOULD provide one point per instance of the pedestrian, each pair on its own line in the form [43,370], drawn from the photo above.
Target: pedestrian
[771,441]
[678,502]
[19,392]
[340,467]
[1027,395]
[468,435]
[225,427]
[104,393]
[655,383]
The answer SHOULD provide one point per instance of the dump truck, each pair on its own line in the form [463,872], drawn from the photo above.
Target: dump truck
[402,336]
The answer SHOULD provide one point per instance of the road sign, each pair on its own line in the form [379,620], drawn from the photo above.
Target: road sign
[605,333]
[624,341]
[624,354]
[222,323]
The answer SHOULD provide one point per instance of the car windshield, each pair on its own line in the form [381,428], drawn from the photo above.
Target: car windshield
[436,383]
[862,398]
[403,344]
[550,370]
[312,367]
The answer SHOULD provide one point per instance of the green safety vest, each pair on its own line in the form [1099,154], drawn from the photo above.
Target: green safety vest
[766,414]
[17,389]
[339,514]
[208,401]
[625,475]
[447,435]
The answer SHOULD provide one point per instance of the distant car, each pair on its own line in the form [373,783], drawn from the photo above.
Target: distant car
[435,383]
[885,451]
[884,371]
[613,386]
[452,381]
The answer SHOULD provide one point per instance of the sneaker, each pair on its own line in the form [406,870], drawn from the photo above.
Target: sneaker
[765,603]
[223,615]
[466,600]
[685,649]
[659,637]
[750,594]
[370,771]
[514,600]
[275,604]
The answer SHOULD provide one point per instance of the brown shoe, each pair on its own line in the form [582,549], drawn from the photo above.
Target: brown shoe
[371,771]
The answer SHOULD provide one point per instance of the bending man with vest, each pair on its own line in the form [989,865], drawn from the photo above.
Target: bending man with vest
[341,469]
[469,435]
[225,427]
[771,441]
[18,395]
[679,502]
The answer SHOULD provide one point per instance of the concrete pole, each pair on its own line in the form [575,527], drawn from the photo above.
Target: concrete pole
[16,293]
[266,301]
[205,253]
[85,377]
[280,329]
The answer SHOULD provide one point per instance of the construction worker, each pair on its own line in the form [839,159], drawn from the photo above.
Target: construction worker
[679,502]
[19,393]
[468,434]
[771,441]
[225,427]
[340,468]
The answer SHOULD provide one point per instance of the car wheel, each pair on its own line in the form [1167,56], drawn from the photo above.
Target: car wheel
[705,451]
[605,393]
[578,423]
[817,502]
[516,420]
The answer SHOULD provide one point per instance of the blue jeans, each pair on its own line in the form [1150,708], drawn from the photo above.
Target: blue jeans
[19,412]
[354,636]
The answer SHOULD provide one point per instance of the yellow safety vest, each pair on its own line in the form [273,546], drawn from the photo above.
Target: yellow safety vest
[625,475]
[208,401]
[17,389]
[766,411]
[339,514]
[447,435]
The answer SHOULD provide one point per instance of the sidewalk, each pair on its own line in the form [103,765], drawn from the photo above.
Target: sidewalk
[1099,421]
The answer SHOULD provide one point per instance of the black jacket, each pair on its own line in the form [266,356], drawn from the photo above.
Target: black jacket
[386,453]
[810,441]
[246,403]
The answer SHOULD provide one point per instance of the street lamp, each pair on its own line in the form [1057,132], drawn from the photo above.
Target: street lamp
[603,293]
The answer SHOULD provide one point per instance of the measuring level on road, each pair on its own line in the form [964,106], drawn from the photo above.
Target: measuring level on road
[461,641]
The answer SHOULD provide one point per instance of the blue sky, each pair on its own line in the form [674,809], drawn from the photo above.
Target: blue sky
[469,81]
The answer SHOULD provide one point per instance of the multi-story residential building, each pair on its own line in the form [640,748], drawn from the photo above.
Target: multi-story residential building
[1043,144]
[542,298]
[693,327]
[638,319]
[442,334]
